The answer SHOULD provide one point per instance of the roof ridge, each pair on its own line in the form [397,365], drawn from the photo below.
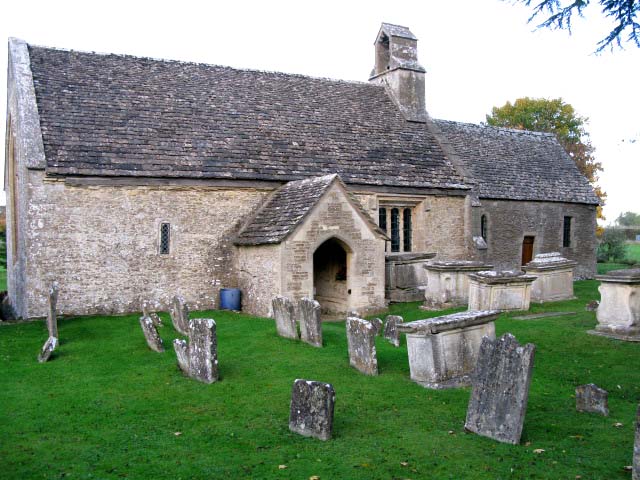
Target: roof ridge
[505,129]
[203,64]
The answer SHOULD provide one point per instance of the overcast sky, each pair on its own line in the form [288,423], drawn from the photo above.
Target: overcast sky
[478,54]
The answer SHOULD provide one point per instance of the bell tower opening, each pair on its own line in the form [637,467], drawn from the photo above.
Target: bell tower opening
[331,276]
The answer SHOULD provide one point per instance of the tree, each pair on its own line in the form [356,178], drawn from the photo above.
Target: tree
[612,246]
[622,12]
[557,117]
[628,219]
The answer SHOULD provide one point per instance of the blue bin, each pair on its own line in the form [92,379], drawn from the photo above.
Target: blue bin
[230,299]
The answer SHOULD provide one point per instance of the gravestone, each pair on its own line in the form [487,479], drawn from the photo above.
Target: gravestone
[285,317]
[52,320]
[182,354]
[391,329]
[592,399]
[198,358]
[310,324]
[146,312]
[500,390]
[203,350]
[377,325]
[636,449]
[151,334]
[618,314]
[311,412]
[47,349]
[180,315]
[361,338]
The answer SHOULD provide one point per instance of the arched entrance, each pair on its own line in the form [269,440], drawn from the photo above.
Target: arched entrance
[331,276]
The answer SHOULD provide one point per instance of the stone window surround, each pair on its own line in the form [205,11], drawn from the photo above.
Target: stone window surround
[400,202]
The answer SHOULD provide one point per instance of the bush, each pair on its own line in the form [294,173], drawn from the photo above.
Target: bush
[612,246]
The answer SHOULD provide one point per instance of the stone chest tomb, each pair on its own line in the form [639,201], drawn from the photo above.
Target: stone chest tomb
[554,277]
[503,290]
[619,311]
[448,282]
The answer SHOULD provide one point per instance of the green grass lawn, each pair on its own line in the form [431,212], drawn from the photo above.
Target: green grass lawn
[633,252]
[106,406]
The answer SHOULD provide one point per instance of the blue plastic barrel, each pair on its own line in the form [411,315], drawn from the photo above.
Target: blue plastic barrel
[230,299]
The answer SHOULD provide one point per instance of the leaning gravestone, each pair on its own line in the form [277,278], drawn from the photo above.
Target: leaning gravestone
[361,338]
[310,324]
[52,320]
[311,412]
[500,390]
[47,349]
[199,358]
[284,313]
[151,334]
[180,315]
[592,399]
[391,329]
[636,449]
[146,312]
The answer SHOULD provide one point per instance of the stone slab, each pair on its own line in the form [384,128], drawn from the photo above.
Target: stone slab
[180,315]
[47,349]
[312,406]
[500,390]
[377,325]
[452,321]
[285,317]
[151,334]
[592,399]
[146,312]
[182,355]
[310,322]
[361,339]
[391,332]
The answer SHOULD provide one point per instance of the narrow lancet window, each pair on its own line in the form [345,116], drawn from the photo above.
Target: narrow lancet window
[406,230]
[165,238]
[395,230]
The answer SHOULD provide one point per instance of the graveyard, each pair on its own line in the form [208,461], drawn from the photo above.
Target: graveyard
[106,406]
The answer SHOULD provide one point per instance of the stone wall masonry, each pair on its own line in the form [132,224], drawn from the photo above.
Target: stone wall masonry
[442,221]
[259,272]
[101,243]
[509,221]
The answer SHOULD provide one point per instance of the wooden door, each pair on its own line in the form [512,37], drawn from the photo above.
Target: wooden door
[527,250]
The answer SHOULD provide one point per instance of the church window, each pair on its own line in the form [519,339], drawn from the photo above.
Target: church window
[395,230]
[382,219]
[483,227]
[566,232]
[165,238]
[406,225]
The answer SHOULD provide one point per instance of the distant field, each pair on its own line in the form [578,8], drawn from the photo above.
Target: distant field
[633,252]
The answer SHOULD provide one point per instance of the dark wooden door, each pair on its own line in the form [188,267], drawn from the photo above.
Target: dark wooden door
[527,250]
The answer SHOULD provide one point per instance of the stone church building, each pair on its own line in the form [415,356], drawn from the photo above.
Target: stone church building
[132,179]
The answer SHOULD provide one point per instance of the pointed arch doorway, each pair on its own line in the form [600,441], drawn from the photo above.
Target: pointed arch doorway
[331,275]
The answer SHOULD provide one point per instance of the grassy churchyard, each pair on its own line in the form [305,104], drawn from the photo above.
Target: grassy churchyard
[105,406]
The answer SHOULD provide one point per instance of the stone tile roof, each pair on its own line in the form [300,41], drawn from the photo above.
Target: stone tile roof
[113,115]
[514,164]
[397,31]
[287,207]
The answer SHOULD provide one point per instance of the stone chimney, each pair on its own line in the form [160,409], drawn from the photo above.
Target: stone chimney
[397,68]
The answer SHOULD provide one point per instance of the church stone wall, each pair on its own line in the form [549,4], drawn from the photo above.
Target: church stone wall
[101,244]
[440,227]
[509,221]
[259,277]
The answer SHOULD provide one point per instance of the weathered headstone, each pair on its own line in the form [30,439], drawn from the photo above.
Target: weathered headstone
[361,338]
[377,325]
[146,312]
[180,315]
[203,350]
[182,354]
[391,329]
[500,390]
[311,412]
[636,449]
[151,334]
[310,323]
[47,349]
[592,399]
[52,320]
[285,317]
